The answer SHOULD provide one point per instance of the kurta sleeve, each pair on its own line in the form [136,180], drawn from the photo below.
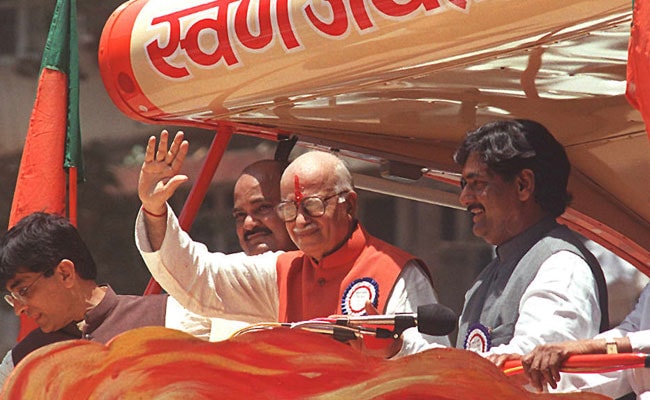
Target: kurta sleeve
[636,325]
[561,303]
[211,284]
[411,290]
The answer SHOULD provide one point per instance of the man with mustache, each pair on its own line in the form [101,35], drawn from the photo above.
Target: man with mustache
[256,194]
[544,285]
[339,267]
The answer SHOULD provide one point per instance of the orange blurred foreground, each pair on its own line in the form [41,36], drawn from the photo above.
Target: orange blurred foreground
[156,362]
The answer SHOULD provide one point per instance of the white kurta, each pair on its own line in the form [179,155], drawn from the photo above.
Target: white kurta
[561,303]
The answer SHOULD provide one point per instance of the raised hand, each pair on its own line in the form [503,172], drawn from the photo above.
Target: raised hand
[159,176]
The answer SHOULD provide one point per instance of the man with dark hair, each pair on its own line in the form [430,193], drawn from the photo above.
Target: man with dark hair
[50,276]
[544,285]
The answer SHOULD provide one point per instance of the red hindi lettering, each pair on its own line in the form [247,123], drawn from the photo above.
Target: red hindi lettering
[360,14]
[339,19]
[265,35]
[158,54]
[462,4]
[284,24]
[219,25]
[394,9]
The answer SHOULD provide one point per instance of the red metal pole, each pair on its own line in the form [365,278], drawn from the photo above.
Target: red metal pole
[199,189]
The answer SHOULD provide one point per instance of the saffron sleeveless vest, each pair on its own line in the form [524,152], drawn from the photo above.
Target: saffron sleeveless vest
[308,289]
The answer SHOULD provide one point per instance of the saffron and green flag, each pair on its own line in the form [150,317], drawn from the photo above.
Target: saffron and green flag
[52,148]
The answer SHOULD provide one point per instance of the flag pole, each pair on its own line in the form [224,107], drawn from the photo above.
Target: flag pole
[53,142]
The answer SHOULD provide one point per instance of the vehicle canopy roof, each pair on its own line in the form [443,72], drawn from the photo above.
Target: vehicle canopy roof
[400,84]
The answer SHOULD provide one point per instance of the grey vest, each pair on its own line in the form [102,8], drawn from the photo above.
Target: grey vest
[493,300]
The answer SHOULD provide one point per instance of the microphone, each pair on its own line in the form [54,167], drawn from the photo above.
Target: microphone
[430,319]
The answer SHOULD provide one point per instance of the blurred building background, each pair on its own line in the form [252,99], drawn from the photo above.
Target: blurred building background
[113,152]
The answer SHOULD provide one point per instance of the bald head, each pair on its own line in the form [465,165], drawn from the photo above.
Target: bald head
[265,170]
[325,168]
[256,193]
[324,176]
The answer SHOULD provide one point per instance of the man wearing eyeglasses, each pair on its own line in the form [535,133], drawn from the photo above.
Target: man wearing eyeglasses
[544,285]
[50,276]
[339,267]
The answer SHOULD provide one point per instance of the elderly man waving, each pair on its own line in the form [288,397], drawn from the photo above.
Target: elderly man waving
[336,255]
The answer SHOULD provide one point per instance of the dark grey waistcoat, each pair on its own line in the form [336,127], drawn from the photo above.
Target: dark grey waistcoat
[493,299]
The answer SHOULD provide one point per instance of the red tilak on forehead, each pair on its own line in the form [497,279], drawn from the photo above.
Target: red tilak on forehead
[296,185]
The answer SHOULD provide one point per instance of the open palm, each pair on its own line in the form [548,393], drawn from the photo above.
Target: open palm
[159,176]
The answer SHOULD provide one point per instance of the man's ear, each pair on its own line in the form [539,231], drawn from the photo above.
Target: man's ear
[66,271]
[525,184]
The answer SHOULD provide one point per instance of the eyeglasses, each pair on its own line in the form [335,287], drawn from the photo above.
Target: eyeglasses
[22,292]
[314,206]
